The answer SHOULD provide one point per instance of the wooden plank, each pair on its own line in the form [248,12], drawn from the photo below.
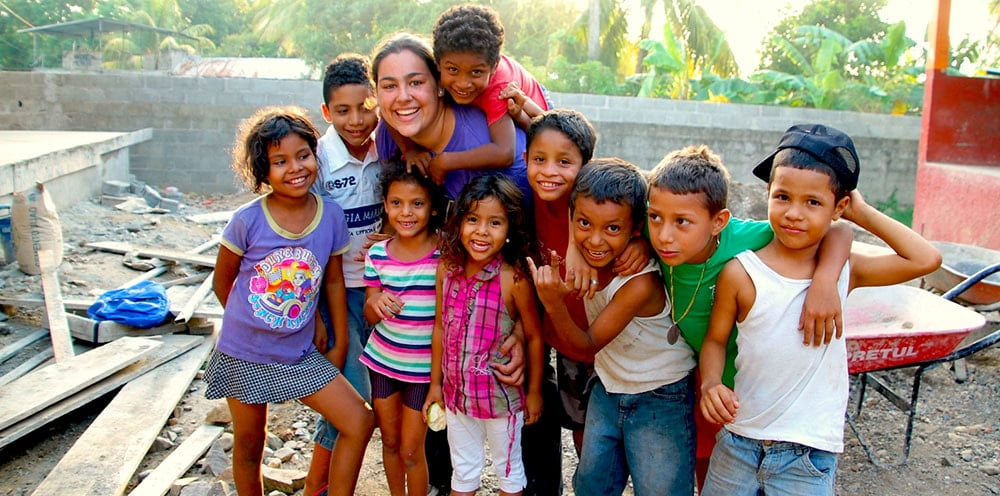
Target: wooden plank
[145,276]
[44,387]
[26,366]
[83,328]
[123,432]
[208,310]
[178,462]
[171,347]
[161,270]
[62,343]
[161,253]
[12,349]
[186,280]
[211,217]
[195,300]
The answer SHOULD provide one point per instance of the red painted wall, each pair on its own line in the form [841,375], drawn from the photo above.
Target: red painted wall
[964,120]
[958,203]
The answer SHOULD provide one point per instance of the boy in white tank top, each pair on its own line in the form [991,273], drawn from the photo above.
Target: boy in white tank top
[784,421]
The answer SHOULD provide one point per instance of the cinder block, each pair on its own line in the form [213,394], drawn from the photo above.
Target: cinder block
[136,187]
[112,200]
[171,205]
[115,188]
[152,197]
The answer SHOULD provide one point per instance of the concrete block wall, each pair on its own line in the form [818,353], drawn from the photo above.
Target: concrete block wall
[195,120]
[643,130]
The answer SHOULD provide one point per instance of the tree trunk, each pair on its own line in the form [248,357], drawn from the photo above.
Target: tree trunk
[594,31]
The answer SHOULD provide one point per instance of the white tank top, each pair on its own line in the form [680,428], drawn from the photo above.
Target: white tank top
[640,359]
[788,391]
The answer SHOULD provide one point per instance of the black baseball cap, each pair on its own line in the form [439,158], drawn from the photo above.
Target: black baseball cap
[828,145]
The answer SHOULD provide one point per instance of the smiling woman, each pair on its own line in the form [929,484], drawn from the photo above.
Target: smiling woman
[412,106]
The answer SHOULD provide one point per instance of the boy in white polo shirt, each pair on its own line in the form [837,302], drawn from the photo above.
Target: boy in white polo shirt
[349,174]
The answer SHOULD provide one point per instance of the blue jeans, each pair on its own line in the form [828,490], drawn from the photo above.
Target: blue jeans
[744,466]
[354,371]
[649,436]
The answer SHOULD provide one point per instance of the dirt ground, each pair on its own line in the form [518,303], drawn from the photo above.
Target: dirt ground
[955,448]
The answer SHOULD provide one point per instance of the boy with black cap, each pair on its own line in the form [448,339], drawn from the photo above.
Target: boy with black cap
[785,425]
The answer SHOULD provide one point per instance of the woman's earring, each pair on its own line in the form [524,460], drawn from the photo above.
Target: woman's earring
[507,240]
[440,93]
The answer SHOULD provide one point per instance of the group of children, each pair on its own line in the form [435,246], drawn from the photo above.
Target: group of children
[429,300]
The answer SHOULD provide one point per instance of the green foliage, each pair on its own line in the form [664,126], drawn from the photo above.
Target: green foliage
[572,43]
[693,48]
[122,50]
[563,76]
[876,82]
[892,208]
[24,51]
[853,19]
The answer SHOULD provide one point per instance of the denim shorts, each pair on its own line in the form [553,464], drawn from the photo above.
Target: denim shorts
[744,466]
[648,436]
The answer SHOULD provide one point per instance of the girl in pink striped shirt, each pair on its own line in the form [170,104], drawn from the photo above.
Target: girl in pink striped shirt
[482,290]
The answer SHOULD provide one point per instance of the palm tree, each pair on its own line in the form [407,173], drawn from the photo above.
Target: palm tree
[163,14]
[875,80]
[693,48]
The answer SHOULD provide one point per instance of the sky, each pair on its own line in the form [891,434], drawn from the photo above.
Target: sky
[746,22]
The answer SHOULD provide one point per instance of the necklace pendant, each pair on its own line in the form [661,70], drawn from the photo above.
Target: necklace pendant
[673,334]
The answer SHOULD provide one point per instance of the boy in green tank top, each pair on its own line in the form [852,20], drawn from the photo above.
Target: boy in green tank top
[694,235]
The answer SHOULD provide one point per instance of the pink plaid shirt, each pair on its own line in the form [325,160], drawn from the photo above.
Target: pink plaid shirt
[476,323]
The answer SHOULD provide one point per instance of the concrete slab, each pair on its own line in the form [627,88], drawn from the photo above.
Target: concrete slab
[72,164]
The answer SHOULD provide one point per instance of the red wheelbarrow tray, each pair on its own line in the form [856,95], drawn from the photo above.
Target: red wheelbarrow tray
[897,325]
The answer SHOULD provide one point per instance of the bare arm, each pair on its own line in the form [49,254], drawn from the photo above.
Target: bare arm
[434,394]
[821,317]
[634,258]
[718,402]
[527,311]
[521,108]
[336,298]
[579,275]
[227,266]
[499,152]
[583,344]
[413,154]
[914,256]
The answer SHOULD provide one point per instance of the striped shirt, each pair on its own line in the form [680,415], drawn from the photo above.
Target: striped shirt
[400,346]
[476,323]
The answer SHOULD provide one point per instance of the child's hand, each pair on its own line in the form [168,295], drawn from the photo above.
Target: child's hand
[437,169]
[320,338]
[420,159]
[512,372]
[719,404]
[582,278]
[856,206]
[372,239]
[549,285]
[533,407]
[385,305]
[434,395]
[821,318]
[633,259]
[515,98]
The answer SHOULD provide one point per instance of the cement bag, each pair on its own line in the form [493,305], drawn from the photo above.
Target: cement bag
[35,226]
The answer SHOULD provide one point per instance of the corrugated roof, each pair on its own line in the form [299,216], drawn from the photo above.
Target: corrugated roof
[91,27]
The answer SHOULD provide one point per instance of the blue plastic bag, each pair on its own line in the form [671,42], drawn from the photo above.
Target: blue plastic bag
[142,305]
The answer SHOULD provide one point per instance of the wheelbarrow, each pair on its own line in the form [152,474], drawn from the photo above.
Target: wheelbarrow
[958,263]
[896,327]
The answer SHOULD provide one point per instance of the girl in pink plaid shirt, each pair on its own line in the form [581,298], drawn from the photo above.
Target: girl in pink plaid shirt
[482,290]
